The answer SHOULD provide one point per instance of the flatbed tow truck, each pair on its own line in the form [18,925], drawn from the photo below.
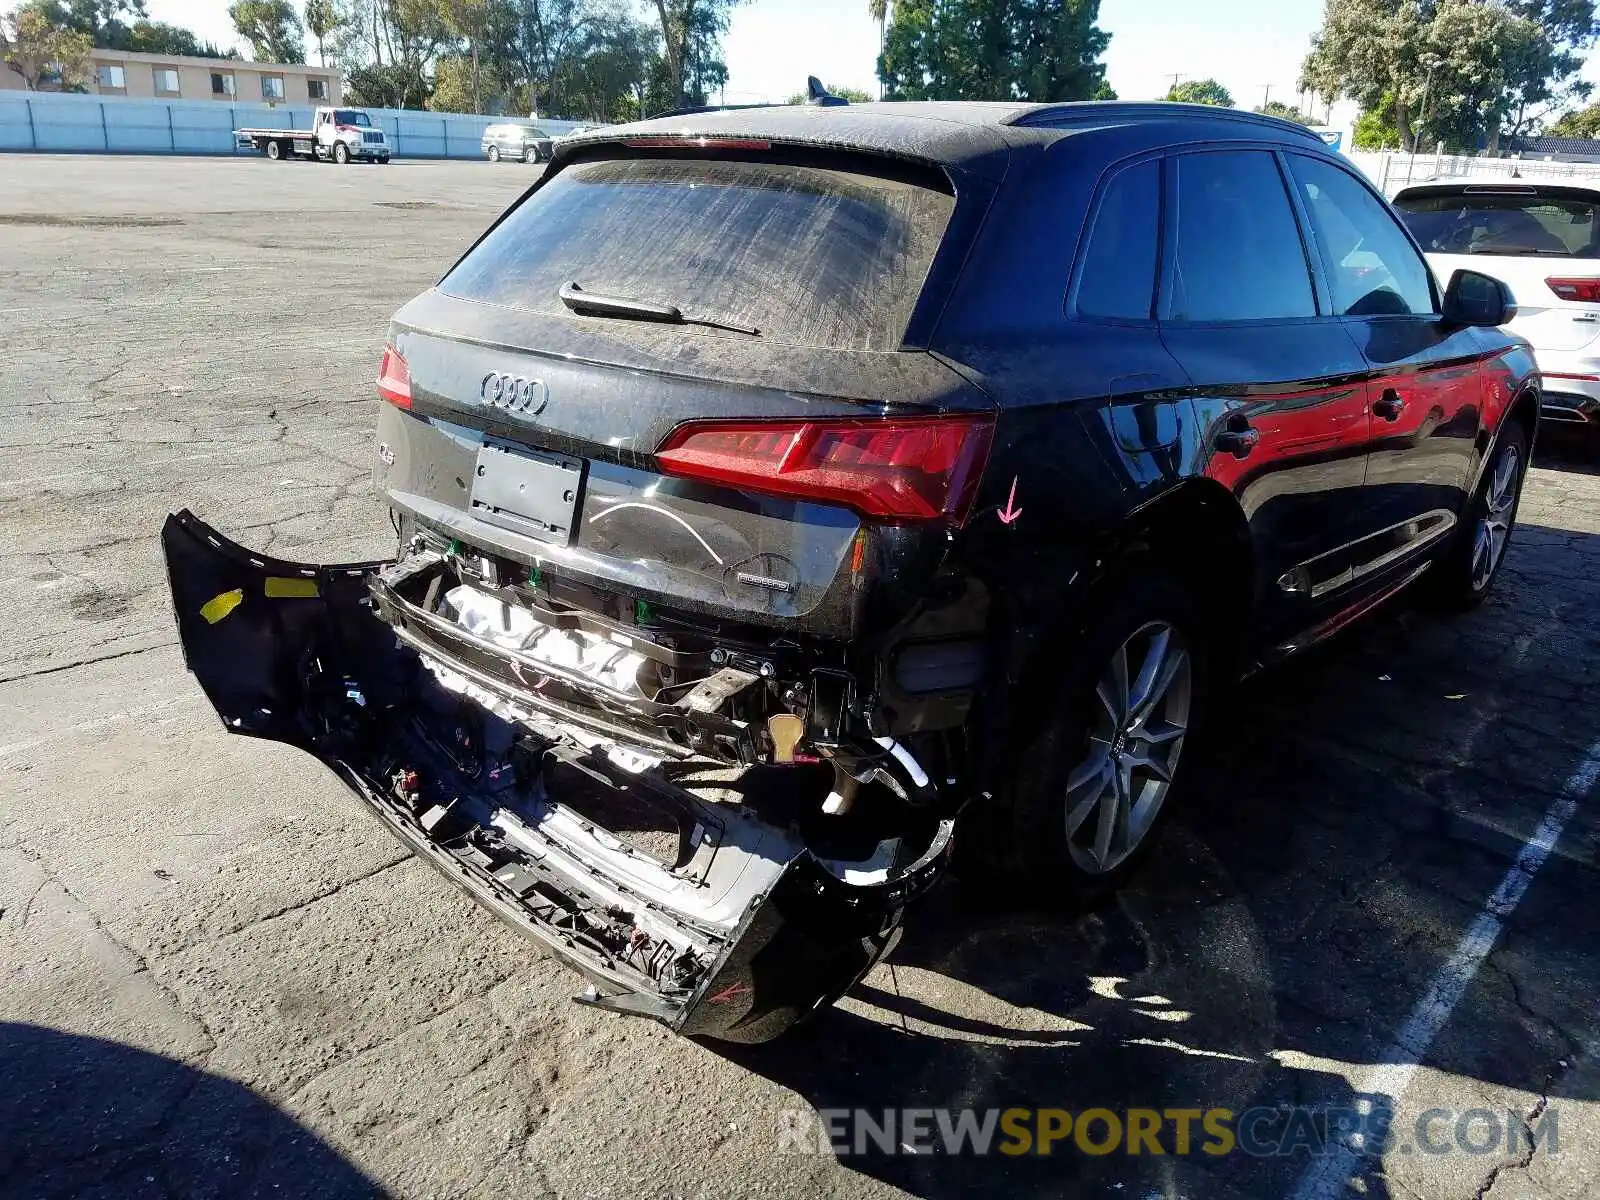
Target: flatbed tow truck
[337,135]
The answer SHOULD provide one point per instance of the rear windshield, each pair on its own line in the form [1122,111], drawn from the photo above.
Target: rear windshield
[806,255]
[1524,223]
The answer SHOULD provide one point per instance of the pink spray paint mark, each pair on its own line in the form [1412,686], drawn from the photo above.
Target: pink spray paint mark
[1010,512]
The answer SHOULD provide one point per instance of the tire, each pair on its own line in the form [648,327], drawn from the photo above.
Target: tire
[1041,834]
[530,155]
[274,151]
[341,153]
[494,153]
[1465,574]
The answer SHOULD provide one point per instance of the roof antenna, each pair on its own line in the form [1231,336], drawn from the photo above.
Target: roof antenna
[820,96]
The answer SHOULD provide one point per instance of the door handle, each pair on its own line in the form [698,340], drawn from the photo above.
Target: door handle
[1389,406]
[1237,438]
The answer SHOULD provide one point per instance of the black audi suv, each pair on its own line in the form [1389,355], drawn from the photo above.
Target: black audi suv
[792,502]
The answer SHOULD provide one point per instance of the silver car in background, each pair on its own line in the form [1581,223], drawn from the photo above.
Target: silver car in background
[517,140]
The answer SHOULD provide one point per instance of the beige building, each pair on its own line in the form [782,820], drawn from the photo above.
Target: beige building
[165,77]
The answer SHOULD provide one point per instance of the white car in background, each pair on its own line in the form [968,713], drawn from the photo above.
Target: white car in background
[1543,241]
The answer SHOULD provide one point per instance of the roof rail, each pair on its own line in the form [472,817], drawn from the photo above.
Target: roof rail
[1080,112]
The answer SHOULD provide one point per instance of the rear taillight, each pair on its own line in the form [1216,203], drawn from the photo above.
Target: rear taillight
[394,379]
[1585,290]
[892,469]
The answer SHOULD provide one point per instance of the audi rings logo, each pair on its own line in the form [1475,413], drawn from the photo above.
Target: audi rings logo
[514,393]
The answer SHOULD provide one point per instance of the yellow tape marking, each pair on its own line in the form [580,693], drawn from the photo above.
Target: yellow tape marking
[220,605]
[282,587]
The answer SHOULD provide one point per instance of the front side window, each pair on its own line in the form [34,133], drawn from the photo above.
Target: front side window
[221,83]
[166,81]
[1521,220]
[805,254]
[316,89]
[111,77]
[1119,265]
[271,87]
[1236,250]
[1372,267]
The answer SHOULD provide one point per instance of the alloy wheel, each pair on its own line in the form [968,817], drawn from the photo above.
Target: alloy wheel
[1141,715]
[1494,524]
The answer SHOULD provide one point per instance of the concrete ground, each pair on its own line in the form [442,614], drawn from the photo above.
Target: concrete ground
[219,978]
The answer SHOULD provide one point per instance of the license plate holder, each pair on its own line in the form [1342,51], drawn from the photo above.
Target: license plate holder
[528,492]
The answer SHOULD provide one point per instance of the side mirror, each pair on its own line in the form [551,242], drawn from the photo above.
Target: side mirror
[1473,298]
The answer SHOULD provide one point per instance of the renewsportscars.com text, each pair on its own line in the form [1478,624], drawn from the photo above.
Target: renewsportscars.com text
[1258,1132]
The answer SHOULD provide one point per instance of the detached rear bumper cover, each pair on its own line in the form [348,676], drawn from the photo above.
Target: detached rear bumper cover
[743,933]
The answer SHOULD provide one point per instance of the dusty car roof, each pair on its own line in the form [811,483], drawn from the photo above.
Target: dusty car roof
[943,132]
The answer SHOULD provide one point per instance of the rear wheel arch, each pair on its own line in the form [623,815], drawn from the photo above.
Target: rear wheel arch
[1197,532]
[1522,411]
[1525,411]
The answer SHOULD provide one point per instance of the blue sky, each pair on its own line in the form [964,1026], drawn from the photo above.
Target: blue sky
[772,45]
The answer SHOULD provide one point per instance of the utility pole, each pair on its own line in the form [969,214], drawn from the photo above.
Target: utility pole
[1266,94]
[1176,75]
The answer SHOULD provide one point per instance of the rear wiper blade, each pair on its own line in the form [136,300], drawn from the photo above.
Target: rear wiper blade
[598,304]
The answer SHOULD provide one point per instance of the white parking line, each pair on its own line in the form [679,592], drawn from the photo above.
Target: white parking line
[1326,1178]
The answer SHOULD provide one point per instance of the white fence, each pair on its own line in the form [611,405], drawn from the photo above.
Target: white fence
[55,122]
[1392,170]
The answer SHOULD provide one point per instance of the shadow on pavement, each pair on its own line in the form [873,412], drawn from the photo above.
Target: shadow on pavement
[1343,829]
[84,1117]
[1568,448]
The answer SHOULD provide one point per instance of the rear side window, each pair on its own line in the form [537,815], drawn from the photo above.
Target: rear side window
[1236,252]
[807,255]
[1119,265]
[1522,222]
[1372,268]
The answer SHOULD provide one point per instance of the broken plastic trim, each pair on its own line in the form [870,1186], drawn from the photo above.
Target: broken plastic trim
[744,933]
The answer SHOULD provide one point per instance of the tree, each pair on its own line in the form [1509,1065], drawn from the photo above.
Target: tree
[158,37]
[1277,108]
[323,19]
[532,42]
[385,85]
[854,95]
[105,21]
[607,75]
[878,10]
[1104,92]
[1542,73]
[1375,128]
[1041,50]
[691,37]
[40,49]
[453,85]
[1200,91]
[1584,123]
[272,27]
[470,21]
[1465,72]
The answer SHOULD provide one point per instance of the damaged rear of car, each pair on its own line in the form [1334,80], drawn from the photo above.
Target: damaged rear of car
[671,668]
